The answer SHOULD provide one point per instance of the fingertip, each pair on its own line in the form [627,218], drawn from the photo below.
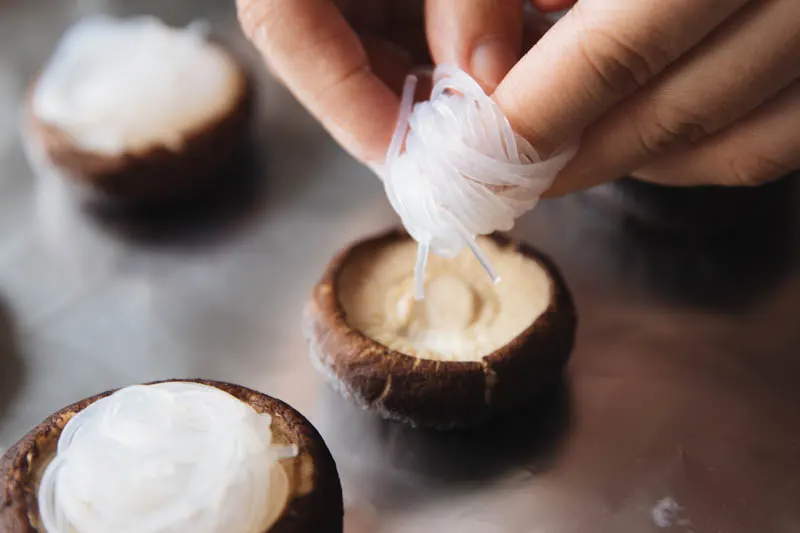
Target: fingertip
[581,172]
[483,37]
[491,60]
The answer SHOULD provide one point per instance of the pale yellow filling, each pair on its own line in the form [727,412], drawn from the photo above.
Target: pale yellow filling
[464,315]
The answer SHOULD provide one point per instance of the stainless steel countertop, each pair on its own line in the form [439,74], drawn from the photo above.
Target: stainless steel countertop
[681,408]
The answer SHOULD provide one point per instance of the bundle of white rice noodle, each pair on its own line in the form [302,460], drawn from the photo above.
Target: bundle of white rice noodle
[456,169]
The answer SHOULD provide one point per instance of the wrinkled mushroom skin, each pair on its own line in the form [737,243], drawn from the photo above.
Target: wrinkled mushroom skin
[431,393]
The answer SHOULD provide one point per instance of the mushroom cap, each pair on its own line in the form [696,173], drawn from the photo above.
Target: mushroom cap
[433,393]
[148,171]
[314,504]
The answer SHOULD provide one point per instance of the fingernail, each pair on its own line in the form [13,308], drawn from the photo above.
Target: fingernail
[490,62]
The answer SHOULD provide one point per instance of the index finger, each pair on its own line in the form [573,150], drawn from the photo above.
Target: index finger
[310,46]
[599,52]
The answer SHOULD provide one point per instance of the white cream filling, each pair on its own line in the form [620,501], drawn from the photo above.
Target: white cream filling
[127,85]
[464,315]
[166,458]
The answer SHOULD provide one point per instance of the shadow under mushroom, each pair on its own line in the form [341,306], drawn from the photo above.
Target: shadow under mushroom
[695,212]
[397,464]
[235,198]
[12,369]
[731,263]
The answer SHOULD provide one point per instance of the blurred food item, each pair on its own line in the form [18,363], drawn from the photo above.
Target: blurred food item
[139,111]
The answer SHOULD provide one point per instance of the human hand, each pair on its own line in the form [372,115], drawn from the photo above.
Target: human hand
[678,92]
[681,92]
[346,60]
[341,59]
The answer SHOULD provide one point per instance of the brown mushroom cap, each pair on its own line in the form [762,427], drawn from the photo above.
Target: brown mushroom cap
[314,503]
[160,174]
[432,393]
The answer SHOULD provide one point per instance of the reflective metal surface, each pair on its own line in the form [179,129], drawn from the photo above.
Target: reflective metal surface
[680,412]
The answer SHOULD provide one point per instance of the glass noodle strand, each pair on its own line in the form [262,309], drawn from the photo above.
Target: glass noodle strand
[456,169]
[166,458]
